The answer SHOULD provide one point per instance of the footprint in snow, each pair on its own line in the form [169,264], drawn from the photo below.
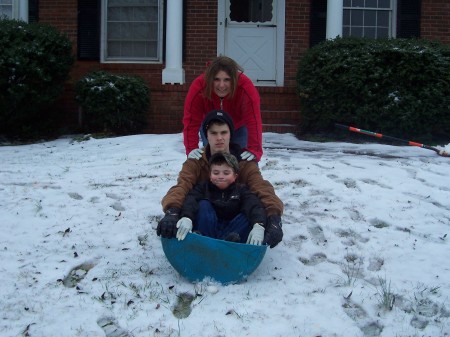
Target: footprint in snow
[113,196]
[376,183]
[77,274]
[183,307]
[112,328]
[424,310]
[317,234]
[359,315]
[350,237]
[75,196]
[350,183]
[118,207]
[314,259]
[375,264]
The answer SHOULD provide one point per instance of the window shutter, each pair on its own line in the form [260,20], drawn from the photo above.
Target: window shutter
[33,11]
[408,19]
[318,22]
[88,29]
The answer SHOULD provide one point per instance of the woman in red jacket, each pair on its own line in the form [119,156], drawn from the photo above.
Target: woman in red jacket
[224,86]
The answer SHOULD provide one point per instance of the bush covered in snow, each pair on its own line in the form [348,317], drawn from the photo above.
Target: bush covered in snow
[395,86]
[112,102]
[35,61]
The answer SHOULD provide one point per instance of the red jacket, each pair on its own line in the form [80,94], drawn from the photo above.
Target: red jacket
[244,109]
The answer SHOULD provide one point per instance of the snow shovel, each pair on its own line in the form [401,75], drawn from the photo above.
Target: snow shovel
[407,142]
[197,257]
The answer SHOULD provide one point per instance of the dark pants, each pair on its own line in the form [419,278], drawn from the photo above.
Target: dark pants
[240,136]
[207,223]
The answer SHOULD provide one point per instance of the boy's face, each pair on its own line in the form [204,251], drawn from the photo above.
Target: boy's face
[218,138]
[222,175]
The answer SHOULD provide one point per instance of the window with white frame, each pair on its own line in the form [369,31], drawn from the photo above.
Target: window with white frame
[132,30]
[369,18]
[6,9]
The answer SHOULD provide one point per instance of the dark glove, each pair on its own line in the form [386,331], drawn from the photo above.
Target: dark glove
[274,232]
[167,227]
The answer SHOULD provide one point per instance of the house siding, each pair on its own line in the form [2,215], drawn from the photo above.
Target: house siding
[280,106]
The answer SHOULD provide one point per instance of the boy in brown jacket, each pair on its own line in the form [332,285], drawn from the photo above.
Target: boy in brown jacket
[219,127]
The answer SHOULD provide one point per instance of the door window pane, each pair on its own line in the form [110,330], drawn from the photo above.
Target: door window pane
[251,10]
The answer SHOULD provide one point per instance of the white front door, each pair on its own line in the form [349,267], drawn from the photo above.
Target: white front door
[249,32]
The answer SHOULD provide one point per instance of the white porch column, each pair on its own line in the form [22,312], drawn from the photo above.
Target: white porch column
[174,72]
[335,10]
[23,10]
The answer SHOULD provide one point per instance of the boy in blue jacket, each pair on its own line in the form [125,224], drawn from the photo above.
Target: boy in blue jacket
[221,208]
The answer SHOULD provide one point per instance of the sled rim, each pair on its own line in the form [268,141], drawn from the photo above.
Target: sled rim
[198,257]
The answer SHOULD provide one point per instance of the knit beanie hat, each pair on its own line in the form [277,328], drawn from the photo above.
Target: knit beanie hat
[218,115]
[221,157]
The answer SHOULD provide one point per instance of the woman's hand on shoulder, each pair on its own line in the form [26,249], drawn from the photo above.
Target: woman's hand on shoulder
[195,154]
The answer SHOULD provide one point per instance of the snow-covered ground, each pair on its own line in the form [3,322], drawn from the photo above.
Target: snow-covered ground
[365,249]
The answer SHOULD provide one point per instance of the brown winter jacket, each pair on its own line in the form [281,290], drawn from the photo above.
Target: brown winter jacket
[195,171]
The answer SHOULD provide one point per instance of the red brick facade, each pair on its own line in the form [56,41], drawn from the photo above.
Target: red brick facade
[279,105]
[435,20]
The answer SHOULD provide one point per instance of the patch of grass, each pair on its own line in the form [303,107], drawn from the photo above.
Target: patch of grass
[352,268]
[38,206]
[377,223]
[386,298]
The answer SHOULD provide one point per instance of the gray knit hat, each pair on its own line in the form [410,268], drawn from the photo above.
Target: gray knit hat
[225,157]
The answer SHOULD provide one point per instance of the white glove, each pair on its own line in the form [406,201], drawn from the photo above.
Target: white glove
[195,154]
[246,155]
[256,235]
[184,226]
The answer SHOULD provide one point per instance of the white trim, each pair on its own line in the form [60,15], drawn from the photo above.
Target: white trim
[281,33]
[103,31]
[394,18]
[23,10]
[174,72]
[221,27]
[335,11]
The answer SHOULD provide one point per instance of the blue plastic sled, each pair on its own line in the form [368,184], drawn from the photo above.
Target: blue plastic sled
[197,257]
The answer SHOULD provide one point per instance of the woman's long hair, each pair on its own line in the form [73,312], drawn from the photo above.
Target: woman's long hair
[226,64]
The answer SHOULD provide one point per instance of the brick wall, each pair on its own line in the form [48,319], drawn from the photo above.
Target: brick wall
[296,37]
[435,20]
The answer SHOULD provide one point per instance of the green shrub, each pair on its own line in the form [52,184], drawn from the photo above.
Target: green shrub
[396,86]
[113,103]
[35,61]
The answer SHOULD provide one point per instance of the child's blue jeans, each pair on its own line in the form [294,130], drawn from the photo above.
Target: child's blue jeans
[207,223]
